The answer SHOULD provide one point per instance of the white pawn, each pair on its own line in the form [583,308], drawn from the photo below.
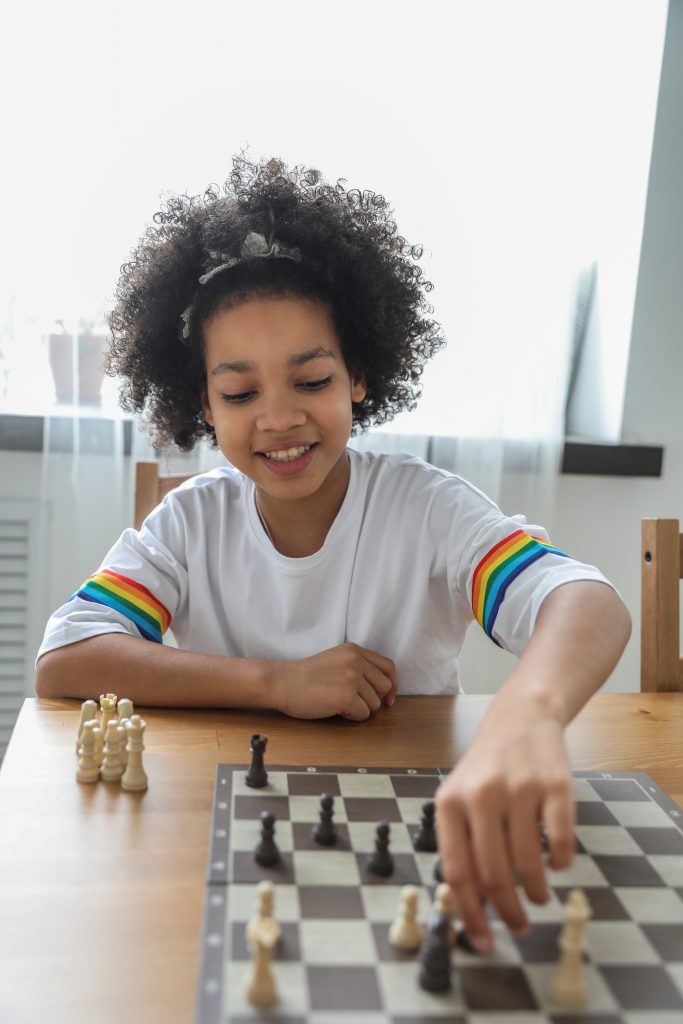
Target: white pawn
[107,709]
[88,766]
[260,987]
[444,903]
[88,714]
[406,932]
[263,918]
[568,986]
[125,708]
[112,769]
[134,778]
[123,733]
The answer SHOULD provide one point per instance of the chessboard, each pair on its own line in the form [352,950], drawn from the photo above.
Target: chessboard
[334,963]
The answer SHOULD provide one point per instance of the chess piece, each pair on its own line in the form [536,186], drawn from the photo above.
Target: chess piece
[444,903]
[88,714]
[325,831]
[435,955]
[568,986]
[112,769]
[263,921]
[107,710]
[134,777]
[257,776]
[266,853]
[125,708]
[425,837]
[123,733]
[436,870]
[260,987]
[88,766]
[406,932]
[380,862]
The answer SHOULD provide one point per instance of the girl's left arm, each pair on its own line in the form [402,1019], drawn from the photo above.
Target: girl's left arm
[516,773]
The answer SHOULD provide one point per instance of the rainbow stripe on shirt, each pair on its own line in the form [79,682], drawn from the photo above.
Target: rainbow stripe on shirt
[497,570]
[128,598]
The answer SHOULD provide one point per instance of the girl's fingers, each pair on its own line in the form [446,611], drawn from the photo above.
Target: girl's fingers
[492,855]
[559,815]
[525,848]
[458,870]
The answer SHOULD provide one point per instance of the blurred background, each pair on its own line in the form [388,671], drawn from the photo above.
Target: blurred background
[534,149]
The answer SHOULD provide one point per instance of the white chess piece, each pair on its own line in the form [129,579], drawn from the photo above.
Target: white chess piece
[444,903]
[134,777]
[568,986]
[88,714]
[123,733]
[260,988]
[125,708]
[265,903]
[112,769]
[406,932]
[107,710]
[88,765]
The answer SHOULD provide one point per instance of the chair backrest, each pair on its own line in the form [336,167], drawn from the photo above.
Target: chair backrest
[150,488]
[661,665]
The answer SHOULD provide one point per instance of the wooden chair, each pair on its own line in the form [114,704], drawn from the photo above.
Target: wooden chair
[661,665]
[150,488]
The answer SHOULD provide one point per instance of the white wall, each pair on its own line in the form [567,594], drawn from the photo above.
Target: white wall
[596,519]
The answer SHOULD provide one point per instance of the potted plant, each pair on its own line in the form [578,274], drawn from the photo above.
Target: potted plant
[79,384]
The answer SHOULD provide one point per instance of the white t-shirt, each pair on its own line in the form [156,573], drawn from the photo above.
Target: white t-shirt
[413,556]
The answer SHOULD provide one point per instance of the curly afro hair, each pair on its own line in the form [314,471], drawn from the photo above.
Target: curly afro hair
[351,258]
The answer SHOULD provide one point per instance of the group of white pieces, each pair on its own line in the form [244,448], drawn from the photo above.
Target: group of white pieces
[406,933]
[110,746]
[567,987]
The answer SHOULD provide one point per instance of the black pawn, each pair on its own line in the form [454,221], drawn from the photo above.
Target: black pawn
[435,955]
[425,837]
[380,862]
[266,853]
[325,832]
[257,776]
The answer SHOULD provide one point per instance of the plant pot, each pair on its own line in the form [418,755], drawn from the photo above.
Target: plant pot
[86,389]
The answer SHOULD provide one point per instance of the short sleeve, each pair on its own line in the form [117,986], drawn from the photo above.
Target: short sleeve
[505,570]
[137,589]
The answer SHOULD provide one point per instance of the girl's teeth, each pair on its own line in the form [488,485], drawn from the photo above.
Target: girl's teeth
[289,455]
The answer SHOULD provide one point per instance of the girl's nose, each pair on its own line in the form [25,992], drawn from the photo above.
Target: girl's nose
[280,413]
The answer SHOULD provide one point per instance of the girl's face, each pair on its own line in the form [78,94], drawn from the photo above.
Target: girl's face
[278,394]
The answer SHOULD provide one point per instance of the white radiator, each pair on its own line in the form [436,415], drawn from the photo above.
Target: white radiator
[21,607]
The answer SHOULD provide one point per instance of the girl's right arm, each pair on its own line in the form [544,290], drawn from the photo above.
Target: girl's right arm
[347,680]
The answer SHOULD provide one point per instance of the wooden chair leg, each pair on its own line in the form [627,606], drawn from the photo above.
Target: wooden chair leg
[660,659]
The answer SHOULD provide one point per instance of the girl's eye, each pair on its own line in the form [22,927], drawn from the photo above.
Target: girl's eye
[244,396]
[316,385]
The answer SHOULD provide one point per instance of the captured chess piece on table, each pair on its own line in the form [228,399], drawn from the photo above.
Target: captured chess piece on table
[109,743]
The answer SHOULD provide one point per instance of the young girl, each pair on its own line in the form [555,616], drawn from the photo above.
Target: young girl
[305,577]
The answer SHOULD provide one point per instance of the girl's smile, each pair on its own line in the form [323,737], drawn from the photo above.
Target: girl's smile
[279,396]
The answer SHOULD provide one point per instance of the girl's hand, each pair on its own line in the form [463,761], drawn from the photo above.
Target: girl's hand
[515,776]
[346,680]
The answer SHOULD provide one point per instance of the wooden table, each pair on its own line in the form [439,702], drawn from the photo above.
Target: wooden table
[101,891]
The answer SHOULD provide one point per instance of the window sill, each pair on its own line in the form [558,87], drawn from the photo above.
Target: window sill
[95,436]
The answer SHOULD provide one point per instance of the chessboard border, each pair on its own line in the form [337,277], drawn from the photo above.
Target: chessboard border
[212,950]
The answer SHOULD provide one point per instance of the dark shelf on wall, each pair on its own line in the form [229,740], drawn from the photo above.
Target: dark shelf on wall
[96,437]
[600,459]
[90,435]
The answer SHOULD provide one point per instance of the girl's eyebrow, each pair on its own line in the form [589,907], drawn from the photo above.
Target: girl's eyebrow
[244,366]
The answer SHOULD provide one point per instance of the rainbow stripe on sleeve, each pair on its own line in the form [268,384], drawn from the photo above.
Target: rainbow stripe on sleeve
[497,570]
[128,598]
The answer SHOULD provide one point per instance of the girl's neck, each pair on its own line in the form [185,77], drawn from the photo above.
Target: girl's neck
[298,528]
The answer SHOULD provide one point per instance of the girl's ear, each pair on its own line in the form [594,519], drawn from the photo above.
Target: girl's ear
[358,387]
[206,409]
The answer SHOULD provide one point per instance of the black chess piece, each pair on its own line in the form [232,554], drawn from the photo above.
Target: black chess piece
[425,837]
[266,853]
[325,831]
[435,955]
[257,776]
[436,870]
[380,861]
